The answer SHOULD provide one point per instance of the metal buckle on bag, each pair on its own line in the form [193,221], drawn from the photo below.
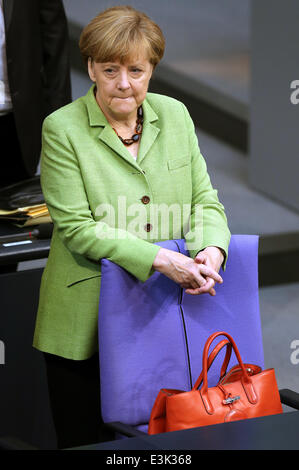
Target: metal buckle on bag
[230,400]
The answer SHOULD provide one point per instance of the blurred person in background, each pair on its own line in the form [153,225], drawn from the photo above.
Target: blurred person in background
[34,80]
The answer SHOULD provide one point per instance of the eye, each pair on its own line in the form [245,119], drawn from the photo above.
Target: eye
[136,70]
[109,71]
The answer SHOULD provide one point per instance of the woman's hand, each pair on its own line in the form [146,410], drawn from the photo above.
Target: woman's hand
[185,271]
[212,257]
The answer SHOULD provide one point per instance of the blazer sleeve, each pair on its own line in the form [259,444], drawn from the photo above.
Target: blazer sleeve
[66,199]
[208,223]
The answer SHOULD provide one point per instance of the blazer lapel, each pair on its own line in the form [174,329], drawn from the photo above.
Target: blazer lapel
[149,135]
[109,137]
[150,131]
[106,133]
[7,10]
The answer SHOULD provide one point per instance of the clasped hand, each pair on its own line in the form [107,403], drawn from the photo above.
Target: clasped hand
[197,276]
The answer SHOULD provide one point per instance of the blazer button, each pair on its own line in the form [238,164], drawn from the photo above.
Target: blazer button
[145,199]
[148,227]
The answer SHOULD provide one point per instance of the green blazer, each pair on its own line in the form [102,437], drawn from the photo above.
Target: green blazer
[94,190]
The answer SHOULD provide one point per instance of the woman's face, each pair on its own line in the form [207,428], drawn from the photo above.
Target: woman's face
[121,88]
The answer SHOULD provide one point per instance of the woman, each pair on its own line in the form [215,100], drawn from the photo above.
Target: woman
[111,154]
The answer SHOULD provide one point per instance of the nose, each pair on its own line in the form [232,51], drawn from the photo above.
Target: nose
[123,83]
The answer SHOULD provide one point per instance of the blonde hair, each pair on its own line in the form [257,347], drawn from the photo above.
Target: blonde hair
[120,33]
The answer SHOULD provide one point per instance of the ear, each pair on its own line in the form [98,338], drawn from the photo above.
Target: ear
[91,70]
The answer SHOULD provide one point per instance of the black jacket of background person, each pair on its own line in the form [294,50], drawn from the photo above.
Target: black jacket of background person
[38,68]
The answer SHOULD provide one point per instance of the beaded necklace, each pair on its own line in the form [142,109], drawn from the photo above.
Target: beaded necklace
[138,129]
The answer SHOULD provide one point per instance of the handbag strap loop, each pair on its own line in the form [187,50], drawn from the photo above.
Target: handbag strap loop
[245,378]
[211,359]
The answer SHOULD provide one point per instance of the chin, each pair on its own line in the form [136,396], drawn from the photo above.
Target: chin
[125,108]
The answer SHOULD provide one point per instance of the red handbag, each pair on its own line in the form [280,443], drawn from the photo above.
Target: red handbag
[246,391]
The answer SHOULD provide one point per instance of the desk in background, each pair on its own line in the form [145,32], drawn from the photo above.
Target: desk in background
[265,433]
[24,405]
[38,249]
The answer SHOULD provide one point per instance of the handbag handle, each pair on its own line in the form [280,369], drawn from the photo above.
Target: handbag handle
[211,359]
[245,378]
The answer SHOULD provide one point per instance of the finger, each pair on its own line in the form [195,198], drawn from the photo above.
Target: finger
[194,278]
[200,282]
[201,258]
[212,292]
[190,285]
[197,282]
[193,291]
[208,286]
[198,291]
[209,272]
